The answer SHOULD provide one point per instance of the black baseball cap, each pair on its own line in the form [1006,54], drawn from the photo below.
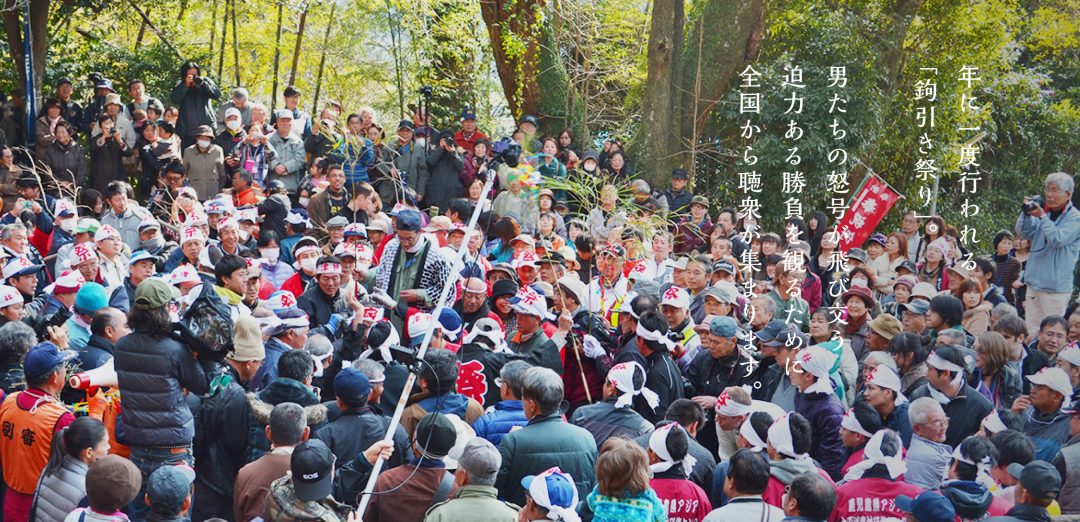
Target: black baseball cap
[435,435]
[679,174]
[1039,477]
[771,330]
[312,465]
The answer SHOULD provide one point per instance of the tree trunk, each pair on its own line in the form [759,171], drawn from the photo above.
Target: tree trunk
[723,55]
[224,33]
[530,69]
[213,25]
[277,57]
[235,46]
[296,50]
[322,59]
[13,28]
[39,24]
[658,144]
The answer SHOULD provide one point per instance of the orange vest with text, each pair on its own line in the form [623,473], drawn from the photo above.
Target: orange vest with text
[26,440]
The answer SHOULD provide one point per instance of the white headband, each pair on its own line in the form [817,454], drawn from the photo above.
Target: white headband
[497,338]
[655,336]
[780,438]
[275,325]
[872,456]
[885,377]
[936,361]
[982,475]
[751,435]
[658,443]
[993,422]
[851,422]
[728,407]
[622,377]
[384,348]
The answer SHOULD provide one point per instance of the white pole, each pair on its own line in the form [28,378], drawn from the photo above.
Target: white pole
[455,268]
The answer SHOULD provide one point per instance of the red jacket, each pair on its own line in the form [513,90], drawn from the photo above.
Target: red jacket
[774,494]
[871,499]
[684,500]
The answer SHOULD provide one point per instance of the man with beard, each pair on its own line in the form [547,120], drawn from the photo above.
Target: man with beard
[473,304]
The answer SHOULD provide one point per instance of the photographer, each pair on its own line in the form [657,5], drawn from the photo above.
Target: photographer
[107,151]
[194,95]
[444,163]
[1054,230]
[410,161]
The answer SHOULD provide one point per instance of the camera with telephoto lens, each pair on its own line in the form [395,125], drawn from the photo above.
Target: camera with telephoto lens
[427,91]
[507,151]
[1031,204]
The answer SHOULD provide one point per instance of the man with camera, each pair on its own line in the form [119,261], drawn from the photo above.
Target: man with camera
[444,163]
[1053,226]
[194,94]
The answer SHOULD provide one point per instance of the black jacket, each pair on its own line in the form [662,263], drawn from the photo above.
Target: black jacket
[444,183]
[154,372]
[966,412]
[357,429]
[1023,513]
[260,405]
[97,350]
[664,378]
[709,376]
[222,436]
[679,202]
[12,378]
[320,306]
[604,421]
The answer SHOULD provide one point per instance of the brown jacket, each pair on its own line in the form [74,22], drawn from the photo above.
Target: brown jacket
[411,501]
[253,482]
[412,414]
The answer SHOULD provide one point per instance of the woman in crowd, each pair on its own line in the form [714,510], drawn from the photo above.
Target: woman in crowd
[976,309]
[62,486]
[998,382]
[932,270]
[475,162]
[274,269]
[622,489]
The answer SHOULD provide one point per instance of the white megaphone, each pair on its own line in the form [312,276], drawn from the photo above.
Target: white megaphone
[102,376]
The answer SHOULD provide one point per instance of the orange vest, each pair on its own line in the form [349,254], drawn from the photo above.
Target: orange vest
[25,441]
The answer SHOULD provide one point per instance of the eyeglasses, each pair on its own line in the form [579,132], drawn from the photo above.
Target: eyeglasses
[938,423]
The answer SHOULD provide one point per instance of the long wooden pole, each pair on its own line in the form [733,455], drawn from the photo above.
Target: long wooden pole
[296,49]
[224,34]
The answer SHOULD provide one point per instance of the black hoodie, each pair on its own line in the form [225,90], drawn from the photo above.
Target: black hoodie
[971,499]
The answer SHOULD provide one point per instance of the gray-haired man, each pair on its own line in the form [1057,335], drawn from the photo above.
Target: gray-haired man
[1054,231]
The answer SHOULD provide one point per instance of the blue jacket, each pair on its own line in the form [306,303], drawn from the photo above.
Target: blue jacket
[899,422]
[495,425]
[1055,245]
[267,372]
[824,411]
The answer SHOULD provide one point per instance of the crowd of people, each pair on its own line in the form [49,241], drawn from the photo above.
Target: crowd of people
[636,354]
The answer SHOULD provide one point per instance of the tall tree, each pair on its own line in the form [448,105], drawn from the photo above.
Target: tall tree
[39,46]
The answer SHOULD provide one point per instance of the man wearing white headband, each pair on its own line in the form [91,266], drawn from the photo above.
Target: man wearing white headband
[664,376]
[928,455]
[287,330]
[969,481]
[614,416]
[720,365]
[945,383]
[882,391]
[593,342]
[671,463]
[1040,411]
[860,423]
[530,340]
[307,254]
[789,442]
[552,496]
[818,402]
[674,304]
[324,301]
[870,486]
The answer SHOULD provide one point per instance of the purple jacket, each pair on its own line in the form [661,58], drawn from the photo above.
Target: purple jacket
[689,236]
[824,411]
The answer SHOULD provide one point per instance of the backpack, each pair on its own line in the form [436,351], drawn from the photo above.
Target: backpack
[207,326]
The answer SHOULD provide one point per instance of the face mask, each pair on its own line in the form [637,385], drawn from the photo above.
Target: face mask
[68,224]
[244,235]
[233,125]
[153,245]
[204,144]
[303,201]
[270,254]
[308,265]
[589,167]
[421,142]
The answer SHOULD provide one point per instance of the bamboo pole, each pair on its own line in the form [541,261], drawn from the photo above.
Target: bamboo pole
[322,59]
[277,56]
[296,49]
[235,46]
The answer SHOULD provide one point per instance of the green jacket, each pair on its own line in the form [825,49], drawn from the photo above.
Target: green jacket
[796,306]
[545,442]
[468,504]
[283,506]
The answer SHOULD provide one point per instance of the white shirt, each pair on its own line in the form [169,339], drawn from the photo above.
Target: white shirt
[746,509]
